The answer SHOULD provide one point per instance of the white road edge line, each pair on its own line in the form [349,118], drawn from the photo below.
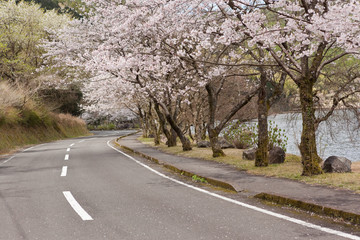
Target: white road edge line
[28,149]
[76,206]
[68,149]
[277,215]
[64,171]
[66,157]
[9,159]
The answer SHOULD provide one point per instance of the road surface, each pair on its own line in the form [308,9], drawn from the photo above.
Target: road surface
[84,189]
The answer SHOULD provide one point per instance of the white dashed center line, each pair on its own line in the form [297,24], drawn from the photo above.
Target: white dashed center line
[64,171]
[68,149]
[66,157]
[76,206]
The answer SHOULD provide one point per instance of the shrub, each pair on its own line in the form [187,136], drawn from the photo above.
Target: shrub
[2,119]
[245,135]
[277,136]
[241,135]
[30,118]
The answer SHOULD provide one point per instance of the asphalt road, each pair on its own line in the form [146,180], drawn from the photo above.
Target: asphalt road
[84,189]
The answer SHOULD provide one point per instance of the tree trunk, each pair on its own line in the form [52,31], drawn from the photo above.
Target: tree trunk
[143,122]
[214,142]
[162,122]
[157,139]
[190,133]
[212,131]
[261,159]
[147,127]
[203,131]
[200,132]
[154,126]
[172,139]
[309,157]
[143,127]
[157,133]
[186,145]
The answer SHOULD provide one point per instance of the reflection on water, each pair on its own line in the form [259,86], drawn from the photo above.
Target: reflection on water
[339,136]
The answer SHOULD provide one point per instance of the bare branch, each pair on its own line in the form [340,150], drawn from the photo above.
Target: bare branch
[290,57]
[282,64]
[236,108]
[332,60]
[239,65]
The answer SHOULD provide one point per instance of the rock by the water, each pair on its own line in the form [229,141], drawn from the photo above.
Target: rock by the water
[334,164]
[225,144]
[276,155]
[249,154]
[203,144]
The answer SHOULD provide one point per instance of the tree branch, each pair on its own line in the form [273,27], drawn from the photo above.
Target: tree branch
[235,109]
[331,60]
[282,64]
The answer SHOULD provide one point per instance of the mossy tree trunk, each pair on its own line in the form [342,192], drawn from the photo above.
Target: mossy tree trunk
[261,156]
[305,74]
[157,138]
[155,129]
[214,142]
[162,122]
[266,97]
[143,122]
[172,139]
[309,157]
[212,129]
[186,145]
[200,131]
[157,132]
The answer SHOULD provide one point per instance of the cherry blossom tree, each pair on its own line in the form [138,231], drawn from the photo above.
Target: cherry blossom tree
[166,61]
[167,50]
[303,37]
[205,55]
[131,52]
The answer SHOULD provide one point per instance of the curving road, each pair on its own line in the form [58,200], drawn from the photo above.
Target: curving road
[84,189]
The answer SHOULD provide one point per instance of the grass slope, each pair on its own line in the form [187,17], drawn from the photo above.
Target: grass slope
[34,130]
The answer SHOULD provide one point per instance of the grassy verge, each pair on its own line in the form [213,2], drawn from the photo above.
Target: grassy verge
[37,130]
[291,169]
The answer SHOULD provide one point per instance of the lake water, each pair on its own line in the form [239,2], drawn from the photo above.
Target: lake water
[338,137]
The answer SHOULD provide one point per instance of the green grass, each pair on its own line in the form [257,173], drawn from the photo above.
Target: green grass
[109,126]
[290,169]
